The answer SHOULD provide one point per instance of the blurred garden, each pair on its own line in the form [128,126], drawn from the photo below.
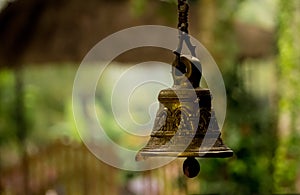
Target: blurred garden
[256,45]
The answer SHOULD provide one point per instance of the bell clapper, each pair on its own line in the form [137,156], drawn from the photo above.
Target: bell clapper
[191,167]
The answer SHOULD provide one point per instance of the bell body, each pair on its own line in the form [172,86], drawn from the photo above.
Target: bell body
[185,126]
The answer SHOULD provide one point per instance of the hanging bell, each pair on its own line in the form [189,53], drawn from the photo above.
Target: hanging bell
[185,124]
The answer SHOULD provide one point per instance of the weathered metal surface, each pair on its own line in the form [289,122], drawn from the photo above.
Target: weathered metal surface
[184,118]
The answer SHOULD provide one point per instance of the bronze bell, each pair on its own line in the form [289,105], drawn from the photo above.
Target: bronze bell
[185,124]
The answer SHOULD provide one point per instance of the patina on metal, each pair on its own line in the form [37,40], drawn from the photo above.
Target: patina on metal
[185,115]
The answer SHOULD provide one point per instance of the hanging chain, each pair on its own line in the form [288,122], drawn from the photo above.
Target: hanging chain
[183,10]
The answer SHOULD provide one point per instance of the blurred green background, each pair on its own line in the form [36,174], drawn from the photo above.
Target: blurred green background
[255,43]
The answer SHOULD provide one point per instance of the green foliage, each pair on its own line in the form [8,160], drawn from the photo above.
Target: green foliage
[289,55]
[287,154]
[165,8]
[250,127]
[47,99]
[251,133]
[138,7]
[7,96]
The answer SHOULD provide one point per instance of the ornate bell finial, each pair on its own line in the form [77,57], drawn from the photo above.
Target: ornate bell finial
[185,124]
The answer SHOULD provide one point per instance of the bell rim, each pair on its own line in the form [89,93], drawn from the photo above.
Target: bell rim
[199,154]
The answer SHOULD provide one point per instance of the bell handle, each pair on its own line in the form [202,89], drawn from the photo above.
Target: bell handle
[188,66]
[193,71]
